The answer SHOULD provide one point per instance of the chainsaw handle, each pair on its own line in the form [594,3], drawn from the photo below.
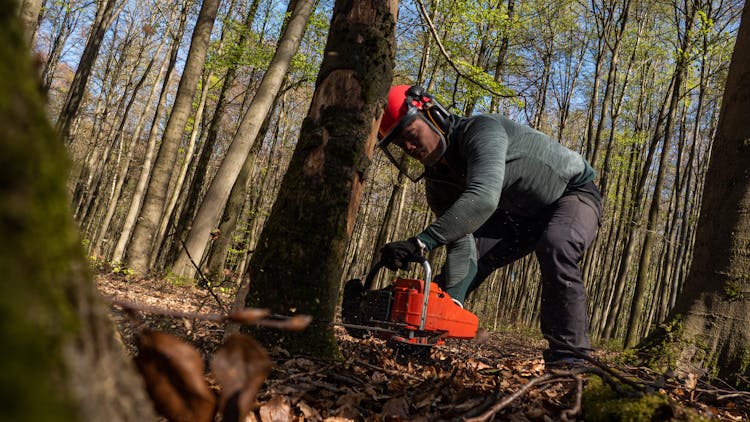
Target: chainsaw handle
[380,264]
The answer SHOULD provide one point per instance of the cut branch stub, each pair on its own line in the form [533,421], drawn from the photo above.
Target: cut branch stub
[240,367]
[173,372]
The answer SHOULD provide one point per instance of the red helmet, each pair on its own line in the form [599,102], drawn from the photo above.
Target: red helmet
[396,109]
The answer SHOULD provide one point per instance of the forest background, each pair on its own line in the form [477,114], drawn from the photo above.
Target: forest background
[635,87]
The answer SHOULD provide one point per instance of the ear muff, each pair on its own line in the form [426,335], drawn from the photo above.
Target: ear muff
[430,108]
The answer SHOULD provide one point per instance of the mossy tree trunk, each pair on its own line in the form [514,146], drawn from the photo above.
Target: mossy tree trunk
[61,359]
[297,264]
[710,324]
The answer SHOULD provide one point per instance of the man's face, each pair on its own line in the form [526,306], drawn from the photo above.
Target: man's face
[418,140]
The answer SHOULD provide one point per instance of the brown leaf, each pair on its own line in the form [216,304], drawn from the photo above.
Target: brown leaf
[294,323]
[249,316]
[395,409]
[173,371]
[309,412]
[276,410]
[240,367]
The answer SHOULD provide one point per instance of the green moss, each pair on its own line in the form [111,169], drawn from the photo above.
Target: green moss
[601,403]
[733,290]
[661,350]
[178,280]
[39,248]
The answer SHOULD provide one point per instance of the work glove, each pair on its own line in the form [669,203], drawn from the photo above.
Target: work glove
[397,255]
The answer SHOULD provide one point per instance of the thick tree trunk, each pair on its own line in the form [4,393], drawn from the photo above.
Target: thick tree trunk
[712,329]
[211,208]
[299,258]
[142,244]
[61,357]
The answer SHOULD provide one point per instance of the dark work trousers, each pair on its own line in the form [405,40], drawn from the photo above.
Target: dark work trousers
[558,237]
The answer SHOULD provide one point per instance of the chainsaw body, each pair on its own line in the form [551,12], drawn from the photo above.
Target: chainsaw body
[411,311]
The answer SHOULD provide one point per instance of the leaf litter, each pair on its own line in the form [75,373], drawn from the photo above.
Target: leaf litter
[502,376]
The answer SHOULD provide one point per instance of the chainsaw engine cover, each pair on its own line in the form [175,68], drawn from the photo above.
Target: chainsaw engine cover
[442,315]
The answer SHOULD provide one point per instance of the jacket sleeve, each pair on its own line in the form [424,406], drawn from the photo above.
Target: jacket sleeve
[484,144]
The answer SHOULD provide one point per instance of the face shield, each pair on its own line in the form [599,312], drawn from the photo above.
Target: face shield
[409,166]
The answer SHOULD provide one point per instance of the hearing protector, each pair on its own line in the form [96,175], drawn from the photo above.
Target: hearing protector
[435,113]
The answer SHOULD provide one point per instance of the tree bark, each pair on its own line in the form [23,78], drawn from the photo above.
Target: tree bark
[61,357]
[142,244]
[105,14]
[218,192]
[140,189]
[711,329]
[29,16]
[297,264]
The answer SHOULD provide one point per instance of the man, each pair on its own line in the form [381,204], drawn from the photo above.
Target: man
[500,190]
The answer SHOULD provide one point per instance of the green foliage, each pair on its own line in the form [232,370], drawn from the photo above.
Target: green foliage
[178,280]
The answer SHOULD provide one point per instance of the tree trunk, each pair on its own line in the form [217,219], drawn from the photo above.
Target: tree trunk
[130,148]
[105,14]
[641,283]
[154,203]
[61,357]
[29,16]
[237,197]
[201,167]
[710,321]
[135,202]
[295,269]
[178,183]
[211,208]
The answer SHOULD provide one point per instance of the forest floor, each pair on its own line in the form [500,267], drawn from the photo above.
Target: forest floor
[502,378]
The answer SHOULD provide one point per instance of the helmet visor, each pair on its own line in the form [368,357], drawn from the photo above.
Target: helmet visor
[407,165]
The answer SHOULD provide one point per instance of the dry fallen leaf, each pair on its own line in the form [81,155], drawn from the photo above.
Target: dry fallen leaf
[249,316]
[395,409]
[240,367]
[276,410]
[173,371]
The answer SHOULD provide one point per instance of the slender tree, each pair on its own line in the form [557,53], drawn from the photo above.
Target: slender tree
[154,203]
[708,330]
[211,208]
[106,12]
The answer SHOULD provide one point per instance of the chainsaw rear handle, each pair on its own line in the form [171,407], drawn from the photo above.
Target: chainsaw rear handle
[380,264]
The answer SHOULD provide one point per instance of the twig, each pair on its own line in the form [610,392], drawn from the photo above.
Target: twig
[444,52]
[579,354]
[489,413]
[205,283]
[576,409]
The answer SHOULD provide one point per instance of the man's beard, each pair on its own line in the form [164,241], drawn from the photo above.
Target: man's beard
[436,154]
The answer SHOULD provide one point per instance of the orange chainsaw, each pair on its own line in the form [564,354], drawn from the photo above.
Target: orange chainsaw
[411,311]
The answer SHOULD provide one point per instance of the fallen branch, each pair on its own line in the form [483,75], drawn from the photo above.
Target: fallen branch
[247,316]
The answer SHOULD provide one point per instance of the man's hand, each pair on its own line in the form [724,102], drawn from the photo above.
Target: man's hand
[397,255]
